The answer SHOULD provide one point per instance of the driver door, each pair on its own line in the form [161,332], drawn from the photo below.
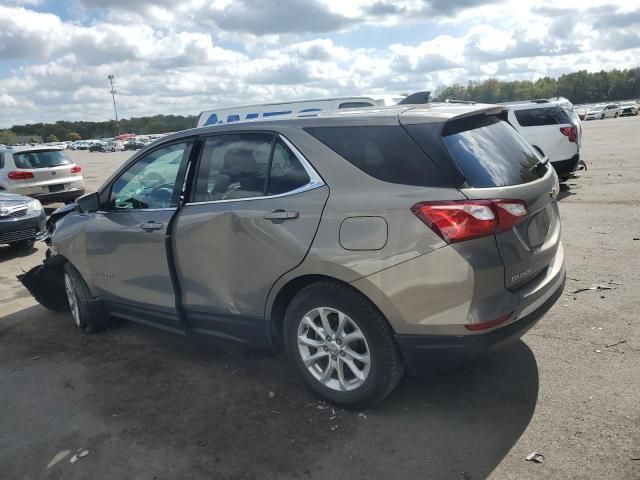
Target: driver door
[126,243]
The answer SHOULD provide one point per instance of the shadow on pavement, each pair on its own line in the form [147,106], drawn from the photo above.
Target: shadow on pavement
[567,190]
[149,404]
[8,252]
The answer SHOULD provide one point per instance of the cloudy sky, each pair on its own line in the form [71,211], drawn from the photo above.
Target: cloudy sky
[182,56]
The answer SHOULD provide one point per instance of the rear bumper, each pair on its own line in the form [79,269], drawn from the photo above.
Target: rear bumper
[424,354]
[565,167]
[22,228]
[62,196]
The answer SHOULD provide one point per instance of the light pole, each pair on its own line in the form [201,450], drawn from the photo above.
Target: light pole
[113,95]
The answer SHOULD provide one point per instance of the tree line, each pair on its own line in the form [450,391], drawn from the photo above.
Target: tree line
[72,131]
[578,87]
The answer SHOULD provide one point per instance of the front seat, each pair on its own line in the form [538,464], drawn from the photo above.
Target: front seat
[242,170]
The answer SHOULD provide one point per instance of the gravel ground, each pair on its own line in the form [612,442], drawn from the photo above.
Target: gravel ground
[147,404]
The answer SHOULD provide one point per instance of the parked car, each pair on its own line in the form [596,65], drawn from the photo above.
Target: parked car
[601,112]
[116,146]
[98,147]
[629,109]
[134,145]
[22,219]
[45,173]
[335,238]
[552,128]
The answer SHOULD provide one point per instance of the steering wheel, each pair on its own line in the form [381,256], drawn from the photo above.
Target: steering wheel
[161,194]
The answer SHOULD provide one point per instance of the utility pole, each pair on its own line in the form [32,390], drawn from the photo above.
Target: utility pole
[113,95]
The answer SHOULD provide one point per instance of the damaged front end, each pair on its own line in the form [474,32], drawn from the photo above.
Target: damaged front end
[46,281]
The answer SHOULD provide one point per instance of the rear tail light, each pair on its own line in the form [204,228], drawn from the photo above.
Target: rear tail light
[75,169]
[571,132]
[19,175]
[457,221]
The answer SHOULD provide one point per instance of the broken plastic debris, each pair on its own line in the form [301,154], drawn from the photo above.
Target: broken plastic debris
[535,457]
[598,351]
[333,428]
[362,415]
[593,287]
[58,457]
[82,452]
[272,394]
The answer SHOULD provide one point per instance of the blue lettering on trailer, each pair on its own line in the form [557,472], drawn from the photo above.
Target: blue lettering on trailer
[251,116]
[233,118]
[212,120]
[273,114]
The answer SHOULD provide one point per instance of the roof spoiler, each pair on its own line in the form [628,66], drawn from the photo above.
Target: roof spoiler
[417,98]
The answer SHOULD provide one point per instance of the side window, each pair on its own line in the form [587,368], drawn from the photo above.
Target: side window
[535,117]
[287,173]
[354,105]
[387,153]
[151,181]
[233,166]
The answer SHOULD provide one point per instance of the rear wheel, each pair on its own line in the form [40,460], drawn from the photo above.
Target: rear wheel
[342,345]
[602,117]
[616,115]
[89,319]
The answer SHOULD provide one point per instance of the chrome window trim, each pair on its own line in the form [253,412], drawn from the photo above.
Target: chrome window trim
[315,180]
[129,210]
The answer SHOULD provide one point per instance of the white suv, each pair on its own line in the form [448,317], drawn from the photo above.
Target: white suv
[45,173]
[551,127]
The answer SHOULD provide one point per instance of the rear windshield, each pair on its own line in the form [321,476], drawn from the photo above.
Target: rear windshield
[491,153]
[41,159]
[535,117]
[387,153]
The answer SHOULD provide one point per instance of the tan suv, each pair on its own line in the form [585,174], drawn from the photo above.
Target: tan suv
[45,173]
[361,243]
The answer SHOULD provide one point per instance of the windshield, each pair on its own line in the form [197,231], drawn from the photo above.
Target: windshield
[41,159]
[491,153]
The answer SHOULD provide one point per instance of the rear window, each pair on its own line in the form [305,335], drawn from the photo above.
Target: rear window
[535,117]
[490,152]
[41,159]
[387,153]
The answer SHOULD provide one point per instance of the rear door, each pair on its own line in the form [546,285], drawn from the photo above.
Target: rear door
[255,207]
[498,163]
[126,242]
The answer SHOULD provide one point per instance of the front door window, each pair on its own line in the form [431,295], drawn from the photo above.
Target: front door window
[151,181]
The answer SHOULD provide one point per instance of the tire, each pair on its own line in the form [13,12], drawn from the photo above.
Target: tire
[616,115]
[23,244]
[602,117]
[85,314]
[371,340]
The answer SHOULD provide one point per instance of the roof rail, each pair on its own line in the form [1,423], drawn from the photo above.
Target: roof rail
[466,102]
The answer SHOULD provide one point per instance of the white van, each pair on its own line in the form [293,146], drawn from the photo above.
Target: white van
[284,109]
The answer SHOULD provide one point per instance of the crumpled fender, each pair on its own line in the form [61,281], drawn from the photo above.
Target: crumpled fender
[46,283]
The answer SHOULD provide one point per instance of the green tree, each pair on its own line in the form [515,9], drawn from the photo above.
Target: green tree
[52,138]
[73,136]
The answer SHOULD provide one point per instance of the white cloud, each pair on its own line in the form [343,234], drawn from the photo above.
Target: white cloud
[185,58]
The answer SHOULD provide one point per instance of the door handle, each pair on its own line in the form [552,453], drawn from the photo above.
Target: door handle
[280,215]
[149,226]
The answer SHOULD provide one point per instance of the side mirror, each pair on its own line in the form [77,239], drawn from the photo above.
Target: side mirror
[88,203]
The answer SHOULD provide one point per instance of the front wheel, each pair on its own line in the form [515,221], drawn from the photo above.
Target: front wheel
[602,117]
[88,318]
[616,115]
[342,345]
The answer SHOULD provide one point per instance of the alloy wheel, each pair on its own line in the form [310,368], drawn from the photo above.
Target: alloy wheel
[334,349]
[73,300]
